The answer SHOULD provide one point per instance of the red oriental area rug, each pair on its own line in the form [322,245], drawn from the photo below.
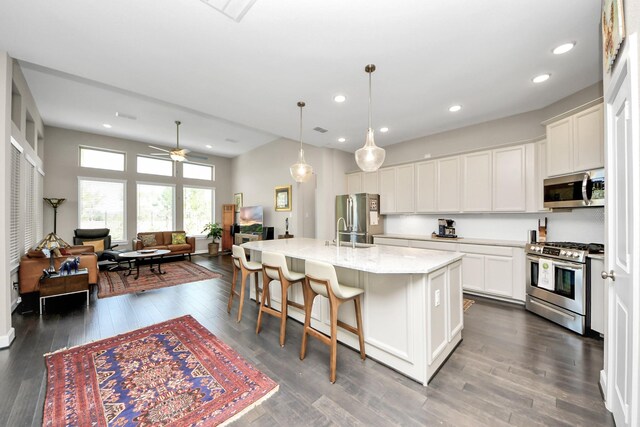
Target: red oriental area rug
[114,283]
[173,373]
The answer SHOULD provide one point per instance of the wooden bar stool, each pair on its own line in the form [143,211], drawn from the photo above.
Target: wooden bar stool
[321,279]
[246,268]
[275,270]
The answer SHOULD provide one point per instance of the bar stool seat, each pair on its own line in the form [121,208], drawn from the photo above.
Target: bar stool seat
[246,269]
[321,279]
[276,271]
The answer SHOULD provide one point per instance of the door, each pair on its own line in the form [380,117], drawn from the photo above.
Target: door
[621,262]
[448,191]
[387,187]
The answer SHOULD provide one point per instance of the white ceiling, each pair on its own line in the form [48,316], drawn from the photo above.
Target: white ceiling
[166,60]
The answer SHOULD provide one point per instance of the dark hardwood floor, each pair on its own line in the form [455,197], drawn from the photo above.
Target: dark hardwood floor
[512,368]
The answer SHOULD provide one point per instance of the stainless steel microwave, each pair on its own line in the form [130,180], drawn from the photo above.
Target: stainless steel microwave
[575,191]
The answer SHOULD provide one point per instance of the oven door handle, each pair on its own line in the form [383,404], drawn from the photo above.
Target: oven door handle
[573,266]
[585,180]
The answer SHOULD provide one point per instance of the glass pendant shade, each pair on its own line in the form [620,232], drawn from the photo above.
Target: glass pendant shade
[301,170]
[370,157]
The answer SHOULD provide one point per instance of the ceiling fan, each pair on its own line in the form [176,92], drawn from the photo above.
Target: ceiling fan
[177,154]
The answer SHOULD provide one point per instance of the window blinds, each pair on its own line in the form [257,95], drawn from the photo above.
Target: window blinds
[14,221]
[30,211]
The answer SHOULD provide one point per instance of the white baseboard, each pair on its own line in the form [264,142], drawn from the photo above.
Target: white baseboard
[5,340]
[603,387]
[15,304]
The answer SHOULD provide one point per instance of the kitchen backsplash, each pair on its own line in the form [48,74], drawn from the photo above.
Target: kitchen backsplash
[580,225]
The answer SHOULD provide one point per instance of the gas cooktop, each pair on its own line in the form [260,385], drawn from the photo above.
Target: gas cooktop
[570,251]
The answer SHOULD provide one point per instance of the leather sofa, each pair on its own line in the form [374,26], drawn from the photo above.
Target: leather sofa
[163,241]
[31,267]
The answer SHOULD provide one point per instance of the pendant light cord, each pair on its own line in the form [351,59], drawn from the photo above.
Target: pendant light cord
[370,98]
[301,127]
[177,134]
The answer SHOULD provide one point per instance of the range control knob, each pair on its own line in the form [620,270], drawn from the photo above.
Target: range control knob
[576,255]
[563,253]
[569,253]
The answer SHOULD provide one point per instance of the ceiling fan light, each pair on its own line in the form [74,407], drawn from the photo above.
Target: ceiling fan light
[370,157]
[177,157]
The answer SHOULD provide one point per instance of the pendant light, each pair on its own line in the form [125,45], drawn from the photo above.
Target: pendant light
[301,170]
[370,157]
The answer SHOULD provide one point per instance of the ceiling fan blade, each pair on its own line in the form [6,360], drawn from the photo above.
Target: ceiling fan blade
[160,154]
[195,156]
[159,149]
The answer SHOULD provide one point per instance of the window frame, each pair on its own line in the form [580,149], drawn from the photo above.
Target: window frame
[158,184]
[200,235]
[212,167]
[173,166]
[124,198]
[104,150]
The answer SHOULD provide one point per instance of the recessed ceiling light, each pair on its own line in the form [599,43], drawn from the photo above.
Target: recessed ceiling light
[339,98]
[384,129]
[564,48]
[208,146]
[341,139]
[107,125]
[541,78]
[455,108]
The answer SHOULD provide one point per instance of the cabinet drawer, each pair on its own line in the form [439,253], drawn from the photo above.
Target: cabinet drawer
[436,246]
[486,250]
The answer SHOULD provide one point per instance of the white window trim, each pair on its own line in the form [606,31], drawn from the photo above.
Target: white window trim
[213,171]
[213,204]
[17,145]
[173,166]
[173,219]
[122,181]
[88,147]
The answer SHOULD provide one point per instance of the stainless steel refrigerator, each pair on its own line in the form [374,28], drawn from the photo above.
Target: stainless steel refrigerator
[361,213]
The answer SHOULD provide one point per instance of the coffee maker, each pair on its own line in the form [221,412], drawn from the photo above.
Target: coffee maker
[446,228]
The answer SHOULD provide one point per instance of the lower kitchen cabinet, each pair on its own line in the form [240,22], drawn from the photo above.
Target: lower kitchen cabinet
[598,296]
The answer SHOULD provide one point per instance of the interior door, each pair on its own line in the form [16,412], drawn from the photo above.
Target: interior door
[621,263]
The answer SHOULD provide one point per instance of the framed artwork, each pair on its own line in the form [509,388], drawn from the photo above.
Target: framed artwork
[237,199]
[612,31]
[283,198]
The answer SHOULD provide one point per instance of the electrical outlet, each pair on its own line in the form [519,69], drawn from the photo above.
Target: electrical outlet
[437,297]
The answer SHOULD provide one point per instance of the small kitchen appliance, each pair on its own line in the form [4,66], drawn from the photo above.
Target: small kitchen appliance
[557,282]
[361,213]
[446,228]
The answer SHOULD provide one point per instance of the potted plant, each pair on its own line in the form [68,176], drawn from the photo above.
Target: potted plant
[213,230]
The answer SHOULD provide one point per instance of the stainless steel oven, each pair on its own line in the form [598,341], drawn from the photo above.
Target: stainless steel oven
[566,299]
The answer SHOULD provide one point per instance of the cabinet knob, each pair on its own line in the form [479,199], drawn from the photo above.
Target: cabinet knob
[610,275]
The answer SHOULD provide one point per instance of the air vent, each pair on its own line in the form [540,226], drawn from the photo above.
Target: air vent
[319,129]
[231,140]
[125,116]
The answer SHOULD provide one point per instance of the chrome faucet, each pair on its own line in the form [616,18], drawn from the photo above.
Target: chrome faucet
[338,230]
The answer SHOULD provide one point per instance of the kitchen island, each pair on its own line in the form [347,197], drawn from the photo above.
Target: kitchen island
[412,304]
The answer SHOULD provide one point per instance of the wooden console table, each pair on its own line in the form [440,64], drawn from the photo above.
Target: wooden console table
[57,285]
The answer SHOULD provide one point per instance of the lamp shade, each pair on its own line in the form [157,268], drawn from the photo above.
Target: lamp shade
[301,170]
[370,157]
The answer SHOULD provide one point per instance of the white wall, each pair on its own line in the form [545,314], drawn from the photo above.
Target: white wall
[62,170]
[580,225]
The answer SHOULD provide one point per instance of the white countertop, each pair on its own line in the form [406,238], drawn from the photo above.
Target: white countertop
[380,259]
[462,240]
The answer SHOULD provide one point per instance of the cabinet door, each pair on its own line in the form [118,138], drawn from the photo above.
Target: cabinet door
[370,182]
[598,296]
[426,186]
[509,186]
[476,182]
[448,190]
[404,189]
[560,147]
[498,277]
[354,183]
[387,187]
[588,139]
[473,272]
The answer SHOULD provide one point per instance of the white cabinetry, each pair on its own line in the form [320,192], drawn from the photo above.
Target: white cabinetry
[598,296]
[476,182]
[370,182]
[448,185]
[396,186]
[354,183]
[509,184]
[576,143]
[426,180]
[494,270]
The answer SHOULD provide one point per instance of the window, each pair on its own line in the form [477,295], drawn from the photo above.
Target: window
[194,171]
[197,209]
[154,166]
[14,204]
[101,159]
[101,204]
[155,207]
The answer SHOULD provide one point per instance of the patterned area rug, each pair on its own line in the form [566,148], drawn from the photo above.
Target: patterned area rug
[466,303]
[173,373]
[116,283]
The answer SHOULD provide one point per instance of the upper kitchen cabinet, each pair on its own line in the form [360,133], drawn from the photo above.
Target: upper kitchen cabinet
[354,183]
[396,186]
[509,181]
[576,143]
[362,182]
[448,185]
[426,180]
[476,182]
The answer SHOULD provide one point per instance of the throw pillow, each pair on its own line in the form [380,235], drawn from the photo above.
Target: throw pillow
[178,238]
[98,245]
[148,239]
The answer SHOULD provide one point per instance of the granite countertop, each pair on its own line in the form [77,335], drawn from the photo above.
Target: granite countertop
[463,240]
[380,259]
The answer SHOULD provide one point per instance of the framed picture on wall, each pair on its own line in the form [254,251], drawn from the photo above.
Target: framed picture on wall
[283,198]
[237,199]
[613,31]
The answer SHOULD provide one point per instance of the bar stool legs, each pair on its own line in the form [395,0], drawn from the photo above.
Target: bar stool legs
[244,274]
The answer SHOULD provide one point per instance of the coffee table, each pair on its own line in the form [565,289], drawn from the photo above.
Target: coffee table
[139,256]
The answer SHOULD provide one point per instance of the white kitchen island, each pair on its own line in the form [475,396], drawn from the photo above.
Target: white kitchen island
[412,304]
